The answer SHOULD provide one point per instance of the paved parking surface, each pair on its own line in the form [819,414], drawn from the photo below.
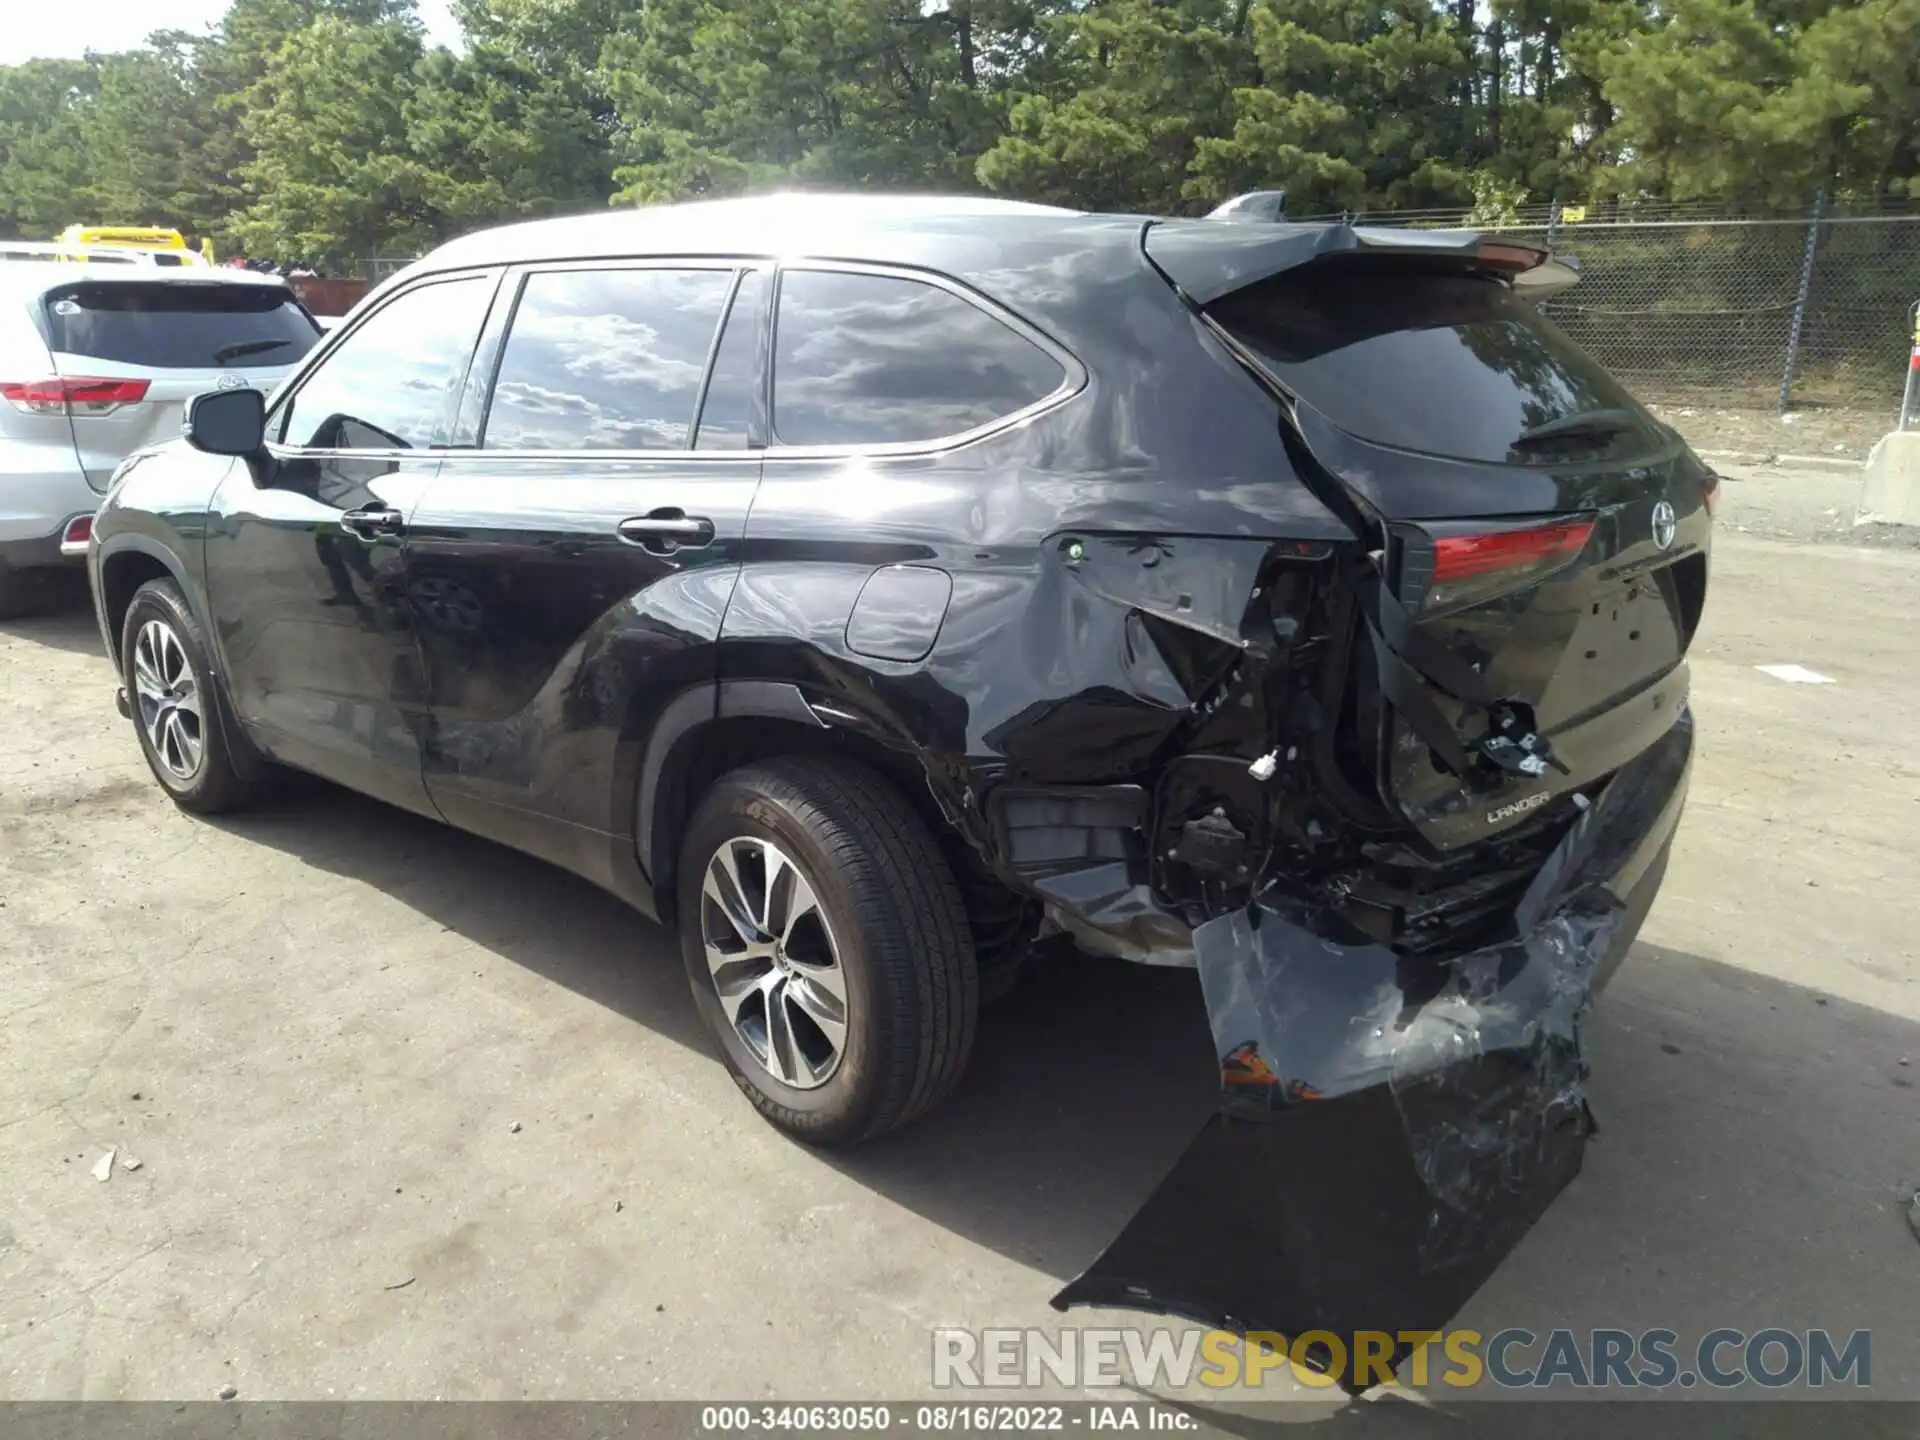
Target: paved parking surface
[317,1024]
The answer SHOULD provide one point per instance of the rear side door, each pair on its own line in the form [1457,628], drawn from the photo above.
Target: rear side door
[570,565]
[305,551]
[152,345]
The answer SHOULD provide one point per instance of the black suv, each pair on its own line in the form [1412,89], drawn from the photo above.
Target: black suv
[872,588]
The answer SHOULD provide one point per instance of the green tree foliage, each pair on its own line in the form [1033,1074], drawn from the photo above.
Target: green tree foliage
[1136,87]
[146,135]
[1350,103]
[44,169]
[329,129]
[331,167]
[521,120]
[1768,101]
[500,140]
[715,96]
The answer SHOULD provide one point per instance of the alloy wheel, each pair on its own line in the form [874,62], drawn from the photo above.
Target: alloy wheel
[774,962]
[169,700]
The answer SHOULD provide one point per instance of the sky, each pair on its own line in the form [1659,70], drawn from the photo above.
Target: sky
[35,29]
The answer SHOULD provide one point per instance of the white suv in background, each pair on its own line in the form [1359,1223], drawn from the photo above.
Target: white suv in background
[97,361]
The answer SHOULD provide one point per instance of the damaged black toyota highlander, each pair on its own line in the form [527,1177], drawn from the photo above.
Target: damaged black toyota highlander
[871,588]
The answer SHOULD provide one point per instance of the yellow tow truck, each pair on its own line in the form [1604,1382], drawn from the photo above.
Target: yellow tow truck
[159,247]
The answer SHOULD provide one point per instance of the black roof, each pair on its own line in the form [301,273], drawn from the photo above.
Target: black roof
[879,228]
[1006,248]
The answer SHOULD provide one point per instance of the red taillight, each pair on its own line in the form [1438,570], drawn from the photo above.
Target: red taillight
[79,531]
[75,394]
[1462,557]
[1471,565]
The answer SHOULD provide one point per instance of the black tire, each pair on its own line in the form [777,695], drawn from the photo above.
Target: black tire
[905,954]
[222,778]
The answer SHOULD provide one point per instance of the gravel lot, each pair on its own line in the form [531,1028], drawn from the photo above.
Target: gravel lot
[1833,436]
[421,1118]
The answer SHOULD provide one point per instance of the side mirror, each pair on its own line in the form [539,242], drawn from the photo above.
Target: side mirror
[227,422]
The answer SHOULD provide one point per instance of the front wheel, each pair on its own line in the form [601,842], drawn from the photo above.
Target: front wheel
[177,707]
[827,947]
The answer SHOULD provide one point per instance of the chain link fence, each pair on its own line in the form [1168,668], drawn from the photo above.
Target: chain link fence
[1744,312]
[1747,313]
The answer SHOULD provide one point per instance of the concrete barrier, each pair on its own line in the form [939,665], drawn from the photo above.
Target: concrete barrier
[1891,494]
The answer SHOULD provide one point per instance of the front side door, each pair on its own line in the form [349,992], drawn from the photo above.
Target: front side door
[305,548]
[570,566]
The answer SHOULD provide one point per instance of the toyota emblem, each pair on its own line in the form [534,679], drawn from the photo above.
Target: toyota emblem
[231,381]
[1665,526]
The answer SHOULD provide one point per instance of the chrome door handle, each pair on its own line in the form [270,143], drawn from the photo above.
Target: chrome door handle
[373,522]
[666,530]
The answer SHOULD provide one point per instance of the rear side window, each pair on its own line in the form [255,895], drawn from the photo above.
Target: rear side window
[878,359]
[179,326]
[606,360]
[1450,365]
[389,385]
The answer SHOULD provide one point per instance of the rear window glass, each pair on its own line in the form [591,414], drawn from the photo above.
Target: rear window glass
[1445,364]
[877,359]
[179,326]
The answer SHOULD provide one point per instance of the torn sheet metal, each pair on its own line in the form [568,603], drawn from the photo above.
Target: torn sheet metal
[1390,1125]
[1108,912]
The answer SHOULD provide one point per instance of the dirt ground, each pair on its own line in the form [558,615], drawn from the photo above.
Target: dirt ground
[418,1117]
[1834,435]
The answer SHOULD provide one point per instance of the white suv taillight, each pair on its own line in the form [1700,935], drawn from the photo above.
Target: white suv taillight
[72,395]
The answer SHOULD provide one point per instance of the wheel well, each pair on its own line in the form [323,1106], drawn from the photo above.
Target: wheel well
[724,745]
[120,576]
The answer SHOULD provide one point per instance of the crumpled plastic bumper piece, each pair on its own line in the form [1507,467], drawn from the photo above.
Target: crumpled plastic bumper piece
[1391,1127]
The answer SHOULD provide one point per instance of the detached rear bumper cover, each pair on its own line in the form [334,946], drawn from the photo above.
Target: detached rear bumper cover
[1390,1128]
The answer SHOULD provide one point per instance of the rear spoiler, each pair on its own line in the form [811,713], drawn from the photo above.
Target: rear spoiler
[1206,259]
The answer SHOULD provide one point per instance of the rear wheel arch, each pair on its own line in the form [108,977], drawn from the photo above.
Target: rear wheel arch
[710,730]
